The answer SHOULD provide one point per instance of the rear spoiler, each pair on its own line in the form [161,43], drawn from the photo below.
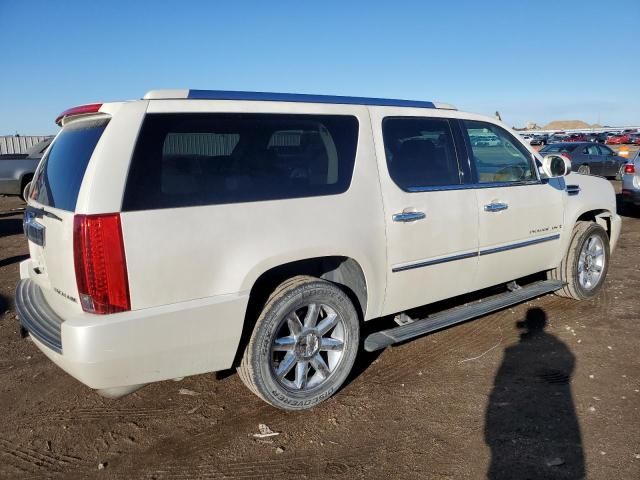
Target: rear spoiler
[79,110]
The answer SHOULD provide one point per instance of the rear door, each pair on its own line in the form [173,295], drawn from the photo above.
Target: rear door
[431,219]
[594,158]
[520,217]
[49,215]
[609,161]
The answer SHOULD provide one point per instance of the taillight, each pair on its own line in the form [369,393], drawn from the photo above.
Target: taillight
[101,267]
[630,168]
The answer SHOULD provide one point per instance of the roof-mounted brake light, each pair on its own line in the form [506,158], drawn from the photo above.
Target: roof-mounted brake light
[79,110]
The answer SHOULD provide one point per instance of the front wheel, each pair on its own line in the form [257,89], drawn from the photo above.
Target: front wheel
[303,345]
[584,267]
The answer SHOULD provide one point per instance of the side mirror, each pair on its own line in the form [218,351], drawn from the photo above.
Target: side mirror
[555,166]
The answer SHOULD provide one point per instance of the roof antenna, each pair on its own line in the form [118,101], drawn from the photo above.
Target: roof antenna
[498,115]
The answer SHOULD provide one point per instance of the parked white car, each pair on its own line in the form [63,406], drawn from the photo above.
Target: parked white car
[194,231]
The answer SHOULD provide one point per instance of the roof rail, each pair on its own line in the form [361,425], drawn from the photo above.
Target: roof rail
[289,97]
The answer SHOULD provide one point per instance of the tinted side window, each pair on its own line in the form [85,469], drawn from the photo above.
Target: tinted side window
[605,150]
[497,155]
[592,150]
[204,159]
[420,152]
[59,176]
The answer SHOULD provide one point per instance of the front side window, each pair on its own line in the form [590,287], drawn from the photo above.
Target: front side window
[206,159]
[420,152]
[497,155]
[591,150]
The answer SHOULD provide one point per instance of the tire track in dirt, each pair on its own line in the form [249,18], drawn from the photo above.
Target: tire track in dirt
[336,463]
[167,453]
[92,414]
[30,460]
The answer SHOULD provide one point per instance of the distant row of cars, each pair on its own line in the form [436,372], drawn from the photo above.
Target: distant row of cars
[628,137]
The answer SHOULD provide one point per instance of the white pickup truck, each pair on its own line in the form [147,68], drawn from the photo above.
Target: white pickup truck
[193,231]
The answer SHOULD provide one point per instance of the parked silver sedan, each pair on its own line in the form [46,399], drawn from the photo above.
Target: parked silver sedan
[631,182]
[16,170]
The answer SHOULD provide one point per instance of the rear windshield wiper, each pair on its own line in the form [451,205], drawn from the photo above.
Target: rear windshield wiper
[41,212]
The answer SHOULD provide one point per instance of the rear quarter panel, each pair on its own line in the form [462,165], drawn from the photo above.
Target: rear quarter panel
[180,254]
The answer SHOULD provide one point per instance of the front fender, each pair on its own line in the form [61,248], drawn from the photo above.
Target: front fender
[596,195]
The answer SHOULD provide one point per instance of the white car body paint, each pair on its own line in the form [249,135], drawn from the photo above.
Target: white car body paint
[191,269]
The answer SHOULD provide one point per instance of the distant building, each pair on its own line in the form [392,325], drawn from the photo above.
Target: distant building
[532,126]
[13,144]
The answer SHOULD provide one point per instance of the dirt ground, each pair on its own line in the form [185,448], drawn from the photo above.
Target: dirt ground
[501,396]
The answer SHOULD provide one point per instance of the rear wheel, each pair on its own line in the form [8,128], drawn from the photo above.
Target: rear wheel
[584,266]
[584,170]
[303,345]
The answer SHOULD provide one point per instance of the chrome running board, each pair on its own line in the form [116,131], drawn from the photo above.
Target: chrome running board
[446,318]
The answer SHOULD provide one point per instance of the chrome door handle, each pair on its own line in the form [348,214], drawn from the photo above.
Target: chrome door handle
[408,216]
[495,207]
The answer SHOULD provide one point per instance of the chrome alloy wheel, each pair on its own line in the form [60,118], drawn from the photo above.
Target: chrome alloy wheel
[305,353]
[591,262]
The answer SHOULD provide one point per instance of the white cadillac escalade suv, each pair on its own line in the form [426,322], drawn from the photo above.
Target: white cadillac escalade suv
[193,231]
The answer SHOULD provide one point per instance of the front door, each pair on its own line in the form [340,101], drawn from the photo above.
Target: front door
[520,217]
[431,221]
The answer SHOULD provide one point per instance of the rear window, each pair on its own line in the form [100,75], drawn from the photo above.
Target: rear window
[185,160]
[59,176]
[559,148]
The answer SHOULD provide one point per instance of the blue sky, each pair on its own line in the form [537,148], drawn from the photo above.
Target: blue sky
[538,61]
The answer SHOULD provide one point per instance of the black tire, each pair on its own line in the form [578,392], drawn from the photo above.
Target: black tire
[584,170]
[568,272]
[258,366]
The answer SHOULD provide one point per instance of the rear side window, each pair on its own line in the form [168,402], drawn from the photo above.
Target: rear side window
[559,148]
[57,181]
[420,152]
[605,150]
[185,160]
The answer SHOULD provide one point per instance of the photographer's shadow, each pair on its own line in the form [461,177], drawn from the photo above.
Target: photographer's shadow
[531,424]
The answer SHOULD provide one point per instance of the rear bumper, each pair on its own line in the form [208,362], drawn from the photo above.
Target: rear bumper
[37,317]
[10,187]
[631,196]
[138,347]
